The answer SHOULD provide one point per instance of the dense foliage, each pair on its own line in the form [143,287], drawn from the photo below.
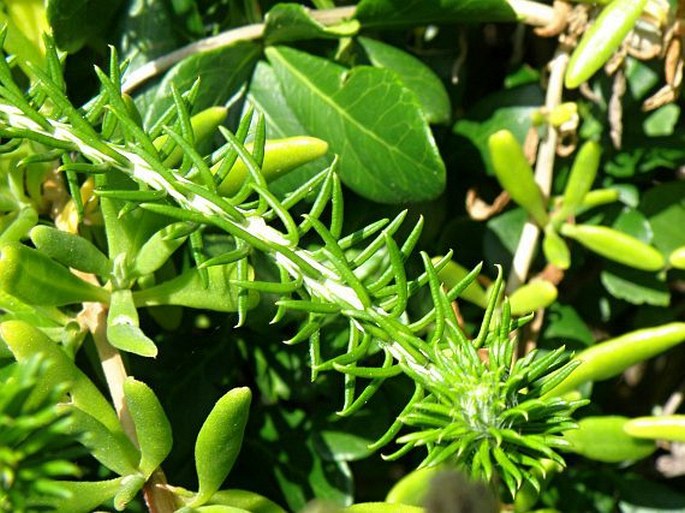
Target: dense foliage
[386,256]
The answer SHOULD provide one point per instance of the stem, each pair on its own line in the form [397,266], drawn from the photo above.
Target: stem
[94,316]
[544,165]
[528,12]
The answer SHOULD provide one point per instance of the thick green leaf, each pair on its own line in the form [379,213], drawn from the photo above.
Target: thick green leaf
[603,439]
[292,22]
[25,341]
[418,77]
[86,496]
[387,152]
[386,13]
[222,72]
[123,331]
[113,449]
[265,93]
[219,441]
[75,22]
[152,426]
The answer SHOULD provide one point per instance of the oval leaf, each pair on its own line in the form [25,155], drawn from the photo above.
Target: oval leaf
[387,152]
[152,426]
[219,441]
[603,439]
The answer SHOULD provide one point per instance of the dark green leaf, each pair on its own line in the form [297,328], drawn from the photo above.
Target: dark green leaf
[384,13]
[75,22]
[292,22]
[664,206]
[222,73]
[415,75]
[265,93]
[635,286]
[510,110]
[387,152]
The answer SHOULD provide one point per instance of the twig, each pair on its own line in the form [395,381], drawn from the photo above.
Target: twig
[543,173]
[531,13]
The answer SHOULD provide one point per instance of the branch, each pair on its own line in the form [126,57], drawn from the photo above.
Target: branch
[527,11]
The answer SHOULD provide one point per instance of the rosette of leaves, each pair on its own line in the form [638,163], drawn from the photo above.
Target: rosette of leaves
[36,443]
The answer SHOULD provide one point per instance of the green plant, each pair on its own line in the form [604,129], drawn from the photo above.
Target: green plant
[180,233]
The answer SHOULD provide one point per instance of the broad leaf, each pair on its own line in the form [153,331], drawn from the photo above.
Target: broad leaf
[74,22]
[384,13]
[265,93]
[415,75]
[387,152]
[635,286]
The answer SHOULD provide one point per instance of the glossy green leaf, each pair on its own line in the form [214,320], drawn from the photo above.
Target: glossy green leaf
[113,449]
[604,439]
[265,93]
[71,250]
[370,119]
[611,357]
[218,508]
[602,39]
[662,122]
[25,341]
[217,86]
[665,427]
[415,75]
[123,331]
[188,290]
[385,13]
[291,22]
[219,441]
[281,156]
[532,296]
[153,430]
[515,174]
[616,245]
[75,22]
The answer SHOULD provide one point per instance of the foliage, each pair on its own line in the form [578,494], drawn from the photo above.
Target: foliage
[236,236]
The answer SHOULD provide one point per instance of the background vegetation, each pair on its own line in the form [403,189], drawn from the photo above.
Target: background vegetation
[407,101]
